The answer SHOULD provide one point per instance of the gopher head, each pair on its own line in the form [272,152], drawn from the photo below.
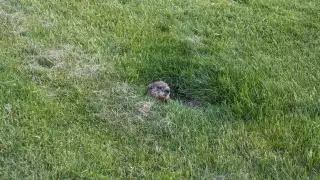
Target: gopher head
[159,90]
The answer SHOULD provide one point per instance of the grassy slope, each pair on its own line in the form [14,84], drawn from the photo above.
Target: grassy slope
[73,75]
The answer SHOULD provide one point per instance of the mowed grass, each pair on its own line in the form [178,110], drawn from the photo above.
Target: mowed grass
[73,76]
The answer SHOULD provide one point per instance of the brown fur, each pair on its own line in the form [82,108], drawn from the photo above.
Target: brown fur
[159,90]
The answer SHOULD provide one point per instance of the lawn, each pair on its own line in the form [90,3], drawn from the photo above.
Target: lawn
[73,78]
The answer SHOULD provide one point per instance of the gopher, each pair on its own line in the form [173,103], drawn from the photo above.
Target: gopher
[159,90]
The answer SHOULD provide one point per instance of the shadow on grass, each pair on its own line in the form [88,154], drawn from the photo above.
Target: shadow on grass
[193,75]
[196,72]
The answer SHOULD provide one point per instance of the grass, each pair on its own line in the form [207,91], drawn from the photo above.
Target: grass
[73,77]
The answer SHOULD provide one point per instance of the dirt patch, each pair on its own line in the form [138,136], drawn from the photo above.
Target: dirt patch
[87,71]
[55,54]
[145,108]
[45,62]
[13,19]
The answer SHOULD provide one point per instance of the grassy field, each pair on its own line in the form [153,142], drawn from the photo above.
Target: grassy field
[73,77]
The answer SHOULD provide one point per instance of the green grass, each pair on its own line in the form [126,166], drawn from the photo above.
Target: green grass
[73,76]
